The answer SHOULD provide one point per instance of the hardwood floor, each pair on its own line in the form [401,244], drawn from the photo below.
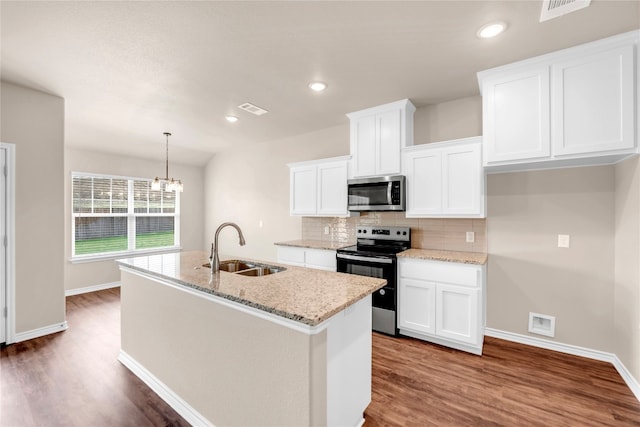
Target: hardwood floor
[73,379]
[415,383]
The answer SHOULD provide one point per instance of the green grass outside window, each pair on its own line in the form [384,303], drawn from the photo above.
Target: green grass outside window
[119,243]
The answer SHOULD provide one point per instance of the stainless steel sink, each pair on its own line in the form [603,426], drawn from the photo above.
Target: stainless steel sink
[234,265]
[247,268]
[260,271]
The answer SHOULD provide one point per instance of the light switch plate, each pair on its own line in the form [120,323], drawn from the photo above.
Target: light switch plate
[564,240]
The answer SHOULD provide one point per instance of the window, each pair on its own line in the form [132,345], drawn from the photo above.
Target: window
[115,215]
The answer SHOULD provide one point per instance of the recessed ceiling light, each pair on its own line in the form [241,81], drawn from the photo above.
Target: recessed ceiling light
[491,30]
[231,119]
[317,86]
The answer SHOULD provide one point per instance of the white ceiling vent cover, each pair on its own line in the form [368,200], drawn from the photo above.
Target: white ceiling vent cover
[554,8]
[253,109]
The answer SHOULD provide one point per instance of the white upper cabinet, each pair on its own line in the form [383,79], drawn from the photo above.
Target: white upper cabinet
[572,107]
[302,181]
[594,100]
[516,116]
[445,179]
[377,136]
[319,188]
[332,188]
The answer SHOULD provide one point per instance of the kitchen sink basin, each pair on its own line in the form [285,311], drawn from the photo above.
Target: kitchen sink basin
[234,265]
[247,268]
[260,271]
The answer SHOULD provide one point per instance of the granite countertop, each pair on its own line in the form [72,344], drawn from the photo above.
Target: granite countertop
[314,244]
[305,295]
[478,258]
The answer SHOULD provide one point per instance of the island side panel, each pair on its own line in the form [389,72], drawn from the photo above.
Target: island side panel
[231,367]
[349,364]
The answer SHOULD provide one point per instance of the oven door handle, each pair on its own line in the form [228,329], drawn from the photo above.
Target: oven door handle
[365,259]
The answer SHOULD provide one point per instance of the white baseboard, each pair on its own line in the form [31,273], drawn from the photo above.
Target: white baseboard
[603,356]
[40,332]
[185,410]
[627,377]
[87,289]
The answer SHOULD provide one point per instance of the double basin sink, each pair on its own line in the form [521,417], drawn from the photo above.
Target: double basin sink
[247,268]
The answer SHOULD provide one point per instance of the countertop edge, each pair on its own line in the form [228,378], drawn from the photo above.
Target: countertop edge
[473,258]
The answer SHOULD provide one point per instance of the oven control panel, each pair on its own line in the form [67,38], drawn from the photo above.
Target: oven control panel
[384,233]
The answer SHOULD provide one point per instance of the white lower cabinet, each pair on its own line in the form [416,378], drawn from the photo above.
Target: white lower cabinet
[442,302]
[418,302]
[457,313]
[320,259]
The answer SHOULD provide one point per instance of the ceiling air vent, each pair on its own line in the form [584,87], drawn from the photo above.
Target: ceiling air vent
[253,109]
[554,8]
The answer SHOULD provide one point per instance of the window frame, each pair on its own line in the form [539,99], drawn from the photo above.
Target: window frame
[131,216]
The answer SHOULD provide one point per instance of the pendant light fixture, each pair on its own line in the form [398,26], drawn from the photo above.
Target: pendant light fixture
[170,184]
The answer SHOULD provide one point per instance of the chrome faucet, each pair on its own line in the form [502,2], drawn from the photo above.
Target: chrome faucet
[213,257]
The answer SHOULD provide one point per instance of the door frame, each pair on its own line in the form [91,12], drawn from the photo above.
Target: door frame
[10,259]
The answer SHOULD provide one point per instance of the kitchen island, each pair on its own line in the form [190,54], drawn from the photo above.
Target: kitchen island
[290,348]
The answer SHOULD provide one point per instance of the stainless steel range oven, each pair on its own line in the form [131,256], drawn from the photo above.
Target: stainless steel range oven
[374,255]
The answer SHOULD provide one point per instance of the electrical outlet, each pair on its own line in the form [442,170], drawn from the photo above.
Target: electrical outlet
[564,240]
[326,229]
[471,237]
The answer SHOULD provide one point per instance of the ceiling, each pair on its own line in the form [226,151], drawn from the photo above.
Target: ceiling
[129,71]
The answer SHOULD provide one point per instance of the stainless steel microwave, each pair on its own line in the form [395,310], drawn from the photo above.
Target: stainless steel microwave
[380,193]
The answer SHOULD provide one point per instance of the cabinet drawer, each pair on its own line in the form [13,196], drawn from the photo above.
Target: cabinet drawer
[441,272]
[290,255]
[320,258]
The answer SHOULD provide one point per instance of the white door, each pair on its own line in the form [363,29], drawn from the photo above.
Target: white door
[593,103]
[363,137]
[516,117]
[424,183]
[417,305]
[332,189]
[457,313]
[3,249]
[388,148]
[462,173]
[303,190]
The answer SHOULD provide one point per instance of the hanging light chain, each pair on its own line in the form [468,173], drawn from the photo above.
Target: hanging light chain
[169,184]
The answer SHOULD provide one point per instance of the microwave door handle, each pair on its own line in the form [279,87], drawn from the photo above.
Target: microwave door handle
[389,199]
[366,259]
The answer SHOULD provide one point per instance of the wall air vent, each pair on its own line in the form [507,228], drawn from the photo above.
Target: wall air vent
[554,8]
[253,109]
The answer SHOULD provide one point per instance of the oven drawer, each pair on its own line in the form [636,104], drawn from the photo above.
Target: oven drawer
[385,298]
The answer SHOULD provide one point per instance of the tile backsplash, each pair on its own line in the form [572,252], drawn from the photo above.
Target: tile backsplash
[426,233]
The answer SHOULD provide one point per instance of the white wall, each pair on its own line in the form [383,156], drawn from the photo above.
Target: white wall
[191,206]
[249,185]
[460,118]
[34,122]
[527,272]
[626,322]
